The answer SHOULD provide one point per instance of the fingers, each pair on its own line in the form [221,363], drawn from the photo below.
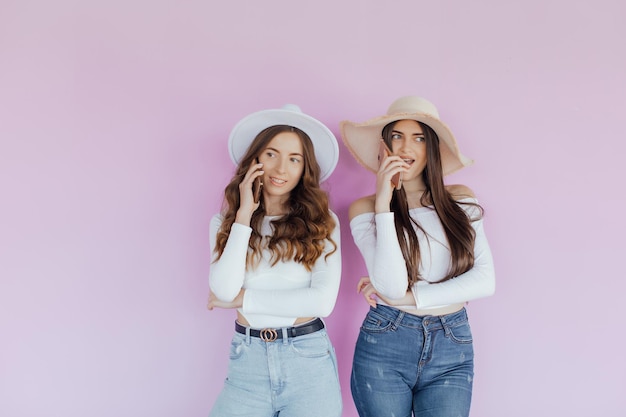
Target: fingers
[245,188]
[362,283]
[211,302]
[392,166]
[369,293]
[393,161]
[254,171]
[367,289]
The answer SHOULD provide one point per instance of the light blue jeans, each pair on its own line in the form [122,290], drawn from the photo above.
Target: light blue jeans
[408,365]
[292,377]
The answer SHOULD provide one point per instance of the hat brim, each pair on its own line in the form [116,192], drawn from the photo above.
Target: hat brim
[324,141]
[363,140]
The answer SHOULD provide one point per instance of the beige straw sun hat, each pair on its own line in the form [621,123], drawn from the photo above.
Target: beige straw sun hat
[363,139]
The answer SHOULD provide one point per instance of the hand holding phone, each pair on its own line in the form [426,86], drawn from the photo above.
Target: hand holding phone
[257,185]
[383,152]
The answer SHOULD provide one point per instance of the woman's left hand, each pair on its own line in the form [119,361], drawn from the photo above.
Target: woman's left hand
[215,302]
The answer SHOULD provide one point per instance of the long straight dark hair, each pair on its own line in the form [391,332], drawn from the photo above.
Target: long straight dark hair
[455,221]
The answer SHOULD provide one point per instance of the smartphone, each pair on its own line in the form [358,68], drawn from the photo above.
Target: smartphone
[256,187]
[383,152]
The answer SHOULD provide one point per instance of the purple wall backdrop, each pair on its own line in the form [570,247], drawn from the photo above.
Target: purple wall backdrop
[113,124]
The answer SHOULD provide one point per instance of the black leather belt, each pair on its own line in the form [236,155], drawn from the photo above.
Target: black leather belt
[269,335]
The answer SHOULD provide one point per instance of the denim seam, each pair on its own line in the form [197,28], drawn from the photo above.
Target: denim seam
[450,334]
[398,321]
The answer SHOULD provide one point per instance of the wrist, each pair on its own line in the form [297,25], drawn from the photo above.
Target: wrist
[242,218]
[382,208]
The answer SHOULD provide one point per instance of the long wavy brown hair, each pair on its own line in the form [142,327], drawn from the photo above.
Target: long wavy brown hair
[456,223]
[299,235]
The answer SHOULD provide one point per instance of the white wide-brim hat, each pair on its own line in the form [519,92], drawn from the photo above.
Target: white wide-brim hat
[363,139]
[324,142]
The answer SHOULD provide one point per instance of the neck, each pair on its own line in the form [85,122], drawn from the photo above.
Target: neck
[275,213]
[414,190]
[275,206]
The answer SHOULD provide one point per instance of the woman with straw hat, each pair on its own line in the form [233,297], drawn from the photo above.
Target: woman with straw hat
[277,261]
[427,255]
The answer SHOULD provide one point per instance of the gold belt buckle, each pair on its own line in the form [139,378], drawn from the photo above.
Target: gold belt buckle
[268,335]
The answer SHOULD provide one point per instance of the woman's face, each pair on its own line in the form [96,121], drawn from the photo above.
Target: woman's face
[283,163]
[408,142]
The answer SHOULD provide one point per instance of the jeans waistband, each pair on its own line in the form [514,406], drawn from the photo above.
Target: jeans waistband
[270,335]
[402,318]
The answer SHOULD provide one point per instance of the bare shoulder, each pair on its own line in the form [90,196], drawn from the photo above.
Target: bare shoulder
[362,205]
[460,191]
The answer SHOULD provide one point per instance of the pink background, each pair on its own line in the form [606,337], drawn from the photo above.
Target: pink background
[113,125]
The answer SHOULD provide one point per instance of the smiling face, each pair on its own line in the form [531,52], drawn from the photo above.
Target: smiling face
[406,139]
[283,163]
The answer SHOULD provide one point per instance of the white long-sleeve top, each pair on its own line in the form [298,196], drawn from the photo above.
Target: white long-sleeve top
[375,236]
[276,295]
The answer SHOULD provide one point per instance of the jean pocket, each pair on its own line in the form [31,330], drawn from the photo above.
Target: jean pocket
[460,333]
[375,323]
[314,345]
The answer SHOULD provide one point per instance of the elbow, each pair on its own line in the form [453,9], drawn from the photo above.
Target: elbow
[325,309]
[490,288]
[392,293]
[222,284]
[391,290]
[226,295]
[493,287]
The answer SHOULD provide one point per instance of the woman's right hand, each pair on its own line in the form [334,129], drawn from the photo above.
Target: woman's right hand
[366,288]
[390,166]
[371,295]
[247,206]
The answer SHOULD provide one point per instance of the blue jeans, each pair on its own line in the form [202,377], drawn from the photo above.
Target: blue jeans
[409,365]
[292,377]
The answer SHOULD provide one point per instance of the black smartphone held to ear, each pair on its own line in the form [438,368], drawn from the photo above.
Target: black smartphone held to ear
[256,187]
[383,152]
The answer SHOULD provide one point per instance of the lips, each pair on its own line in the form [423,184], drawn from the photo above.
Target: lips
[277,181]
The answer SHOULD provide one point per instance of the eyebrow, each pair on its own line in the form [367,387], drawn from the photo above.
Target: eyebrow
[277,151]
[402,133]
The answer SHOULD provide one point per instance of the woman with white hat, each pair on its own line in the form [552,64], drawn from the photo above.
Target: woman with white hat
[427,255]
[276,259]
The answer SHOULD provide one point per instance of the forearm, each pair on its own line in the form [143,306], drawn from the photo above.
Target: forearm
[305,302]
[227,274]
[316,300]
[389,275]
[472,285]
[407,300]
[478,282]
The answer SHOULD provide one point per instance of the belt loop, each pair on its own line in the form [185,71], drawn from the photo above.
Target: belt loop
[444,324]
[398,320]
[247,335]
[285,332]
